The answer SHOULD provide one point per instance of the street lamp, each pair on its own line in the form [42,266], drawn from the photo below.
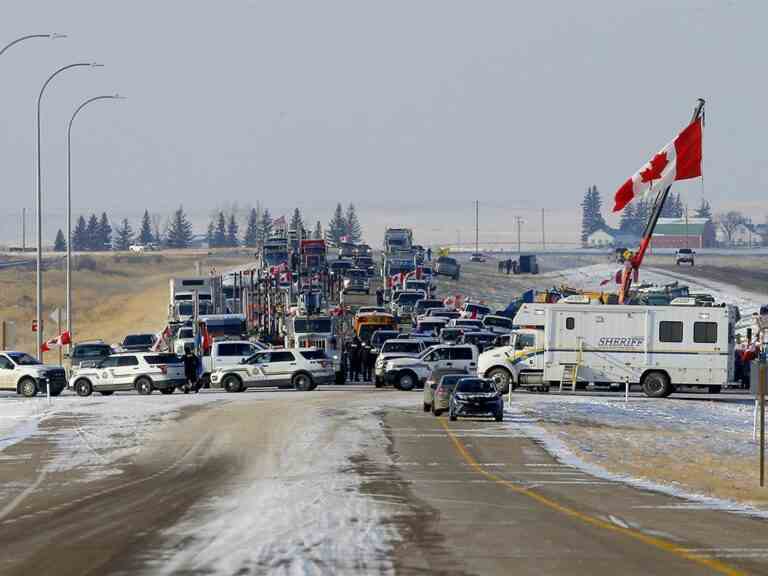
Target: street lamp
[53,36]
[69,200]
[39,270]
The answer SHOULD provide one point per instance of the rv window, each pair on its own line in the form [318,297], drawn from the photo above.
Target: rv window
[570,323]
[705,332]
[670,331]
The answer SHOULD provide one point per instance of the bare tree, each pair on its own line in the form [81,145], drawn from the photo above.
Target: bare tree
[729,222]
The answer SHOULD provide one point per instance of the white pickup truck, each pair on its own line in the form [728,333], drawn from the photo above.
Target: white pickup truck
[26,375]
[407,373]
[226,353]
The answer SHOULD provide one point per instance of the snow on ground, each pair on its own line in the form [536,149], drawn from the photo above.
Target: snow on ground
[701,451]
[91,433]
[590,277]
[300,510]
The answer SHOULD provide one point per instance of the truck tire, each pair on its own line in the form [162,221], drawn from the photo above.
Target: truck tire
[378,382]
[232,383]
[427,407]
[144,386]
[83,388]
[656,385]
[28,387]
[501,377]
[407,381]
[302,382]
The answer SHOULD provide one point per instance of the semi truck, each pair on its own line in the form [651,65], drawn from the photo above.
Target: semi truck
[659,348]
[398,239]
[181,307]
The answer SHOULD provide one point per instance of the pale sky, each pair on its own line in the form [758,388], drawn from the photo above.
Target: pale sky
[411,109]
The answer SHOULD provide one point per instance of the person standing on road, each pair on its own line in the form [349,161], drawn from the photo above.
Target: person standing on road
[429,254]
[379,297]
[355,359]
[190,370]
[509,265]
[367,361]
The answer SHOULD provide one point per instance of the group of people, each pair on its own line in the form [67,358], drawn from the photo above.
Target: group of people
[358,360]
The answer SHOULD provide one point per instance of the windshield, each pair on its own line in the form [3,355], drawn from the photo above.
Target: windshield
[475,386]
[139,340]
[341,265]
[23,359]
[409,298]
[306,325]
[415,284]
[524,341]
[401,346]
[188,308]
[381,336]
[451,380]
[497,321]
[357,274]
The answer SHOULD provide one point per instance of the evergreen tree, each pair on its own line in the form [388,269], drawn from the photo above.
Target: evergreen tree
[233,231]
[591,213]
[179,230]
[265,228]
[642,213]
[123,236]
[220,234]
[105,233]
[145,234]
[297,223]
[251,236]
[673,207]
[80,235]
[318,233]
[354,230]
[337,227]
[59,245]
[92,233]
[209,235]
[628,223]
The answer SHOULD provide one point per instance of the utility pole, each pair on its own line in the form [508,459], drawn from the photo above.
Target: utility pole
[543,237]
[519,244]
[477,226]
[686,225]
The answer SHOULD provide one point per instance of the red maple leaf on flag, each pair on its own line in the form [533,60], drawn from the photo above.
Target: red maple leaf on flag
[655,168]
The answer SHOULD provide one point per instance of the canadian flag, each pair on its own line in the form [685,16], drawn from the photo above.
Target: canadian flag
[62,340]
[678,160]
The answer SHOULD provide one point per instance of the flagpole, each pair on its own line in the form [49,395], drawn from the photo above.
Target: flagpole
[650,226]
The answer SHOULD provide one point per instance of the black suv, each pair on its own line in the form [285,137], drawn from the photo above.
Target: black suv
[90,353]
[476,397]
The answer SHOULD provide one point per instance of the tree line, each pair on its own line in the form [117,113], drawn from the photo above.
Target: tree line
[97,234]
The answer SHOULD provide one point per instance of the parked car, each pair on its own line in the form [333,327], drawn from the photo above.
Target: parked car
[451,334]
[498,324]
[684,256]
[447,266]
[415,284]
[430,386]
[481,339]
[476,397]
[467,324]
[391,349]
[422,306]
[138,342]
[299,368]
[90,353]
[443,313]
[431,325]
[26,375]
[477,257]
[140,371]
[404,302]
[407,373]
[475,311]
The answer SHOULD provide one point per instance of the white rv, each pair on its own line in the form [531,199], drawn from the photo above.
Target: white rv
[658,347]
[182,296]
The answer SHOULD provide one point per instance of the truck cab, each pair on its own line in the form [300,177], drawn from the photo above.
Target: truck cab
[516,362]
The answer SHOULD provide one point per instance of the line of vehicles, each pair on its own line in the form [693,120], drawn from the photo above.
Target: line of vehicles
[667,340]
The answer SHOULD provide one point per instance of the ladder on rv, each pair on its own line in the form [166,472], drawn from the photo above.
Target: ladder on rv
[571,371]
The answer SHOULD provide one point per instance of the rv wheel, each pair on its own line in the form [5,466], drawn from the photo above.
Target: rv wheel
[656,385]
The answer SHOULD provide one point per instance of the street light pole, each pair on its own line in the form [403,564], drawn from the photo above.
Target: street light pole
[53,36]
[39,203]
[69,202]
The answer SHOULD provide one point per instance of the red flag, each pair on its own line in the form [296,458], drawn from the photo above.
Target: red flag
[61,340]
[678,160]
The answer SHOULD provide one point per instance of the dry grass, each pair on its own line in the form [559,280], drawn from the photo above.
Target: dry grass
[112,294]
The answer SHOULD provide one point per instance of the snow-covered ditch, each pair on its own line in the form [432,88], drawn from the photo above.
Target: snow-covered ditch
[695,449]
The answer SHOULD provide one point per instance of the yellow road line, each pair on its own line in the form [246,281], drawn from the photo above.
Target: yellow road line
[654,541]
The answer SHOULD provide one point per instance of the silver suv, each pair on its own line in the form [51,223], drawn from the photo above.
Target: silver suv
[140,371]
[684,256]
[447,266]
[299,368]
